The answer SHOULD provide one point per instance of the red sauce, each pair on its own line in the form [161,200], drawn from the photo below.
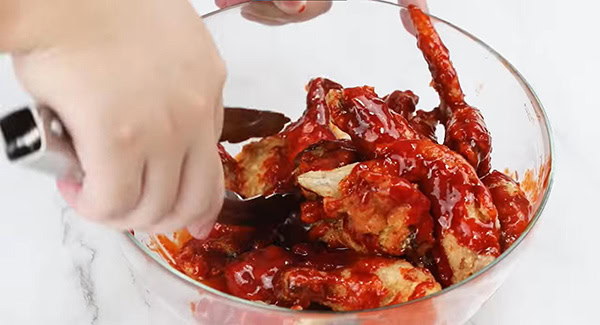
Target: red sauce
[514,210]
[453,187]
[402,102]
[370,196]
[466,131]
[326,155]
[313,211]
[425,123]
[362,289]
[251,275]
[277,171]
[313,126]
[367,118]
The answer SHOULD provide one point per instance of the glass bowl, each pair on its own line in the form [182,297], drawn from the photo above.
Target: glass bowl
[362,43]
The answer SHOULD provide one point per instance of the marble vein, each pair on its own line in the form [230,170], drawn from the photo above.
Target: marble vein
[82,266]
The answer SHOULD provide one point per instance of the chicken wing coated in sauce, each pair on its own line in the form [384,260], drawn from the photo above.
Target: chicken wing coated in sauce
[369,282]
[369,210]
[266,166]
[466,131]
[514,209]
[423,122]
[341,280]
[466,219]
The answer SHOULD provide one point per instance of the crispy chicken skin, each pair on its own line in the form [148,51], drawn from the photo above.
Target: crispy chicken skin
[369,210]
[341,280]
[370,282]
[466,131]
[202,259]
[514,209]
[264,167]
[461,205]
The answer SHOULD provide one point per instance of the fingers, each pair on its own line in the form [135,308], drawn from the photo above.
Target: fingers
[113,183]
[200,193]
[160,187]
[272,13]
[405,16]
[228,3]
[291,7]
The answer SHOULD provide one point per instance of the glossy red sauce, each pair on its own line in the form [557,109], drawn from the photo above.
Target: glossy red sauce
[362,288]
[425,123]
[514,210]
[402,102]
[326,155]
[466,131]
[277,171]
[313,126]
[452,187]
[367,118]
[372,184]
[251,275]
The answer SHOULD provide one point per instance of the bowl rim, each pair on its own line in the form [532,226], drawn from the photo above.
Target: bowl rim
[550,181]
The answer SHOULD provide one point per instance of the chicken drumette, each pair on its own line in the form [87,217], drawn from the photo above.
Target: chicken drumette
[466,131]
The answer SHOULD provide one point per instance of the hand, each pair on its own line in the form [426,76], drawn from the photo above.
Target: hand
[283,12]
[405,16]
[139,88]
[279,12]
[288,7]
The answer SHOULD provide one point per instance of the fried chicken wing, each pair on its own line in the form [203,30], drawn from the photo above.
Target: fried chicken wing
[266,166]
[341,280]
[402,102]
[326,155]
[369,282]
[423,122]
[466,131]
[313,126]
[202,259]
[369,210]
[466,220]
[364,116]
[514,209]
[467,224]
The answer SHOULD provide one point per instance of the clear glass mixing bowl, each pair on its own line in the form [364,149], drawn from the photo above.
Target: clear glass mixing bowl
[357,43]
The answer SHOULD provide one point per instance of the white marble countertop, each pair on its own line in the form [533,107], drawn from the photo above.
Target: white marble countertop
[58,269]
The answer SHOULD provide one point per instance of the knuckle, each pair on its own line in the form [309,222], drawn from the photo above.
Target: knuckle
[125,135]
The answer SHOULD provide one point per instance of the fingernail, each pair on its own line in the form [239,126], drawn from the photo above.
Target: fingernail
[68,190]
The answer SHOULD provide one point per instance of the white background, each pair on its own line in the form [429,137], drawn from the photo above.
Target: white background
[56,269]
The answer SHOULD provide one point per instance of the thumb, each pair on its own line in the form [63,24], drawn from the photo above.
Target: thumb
[405,16]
